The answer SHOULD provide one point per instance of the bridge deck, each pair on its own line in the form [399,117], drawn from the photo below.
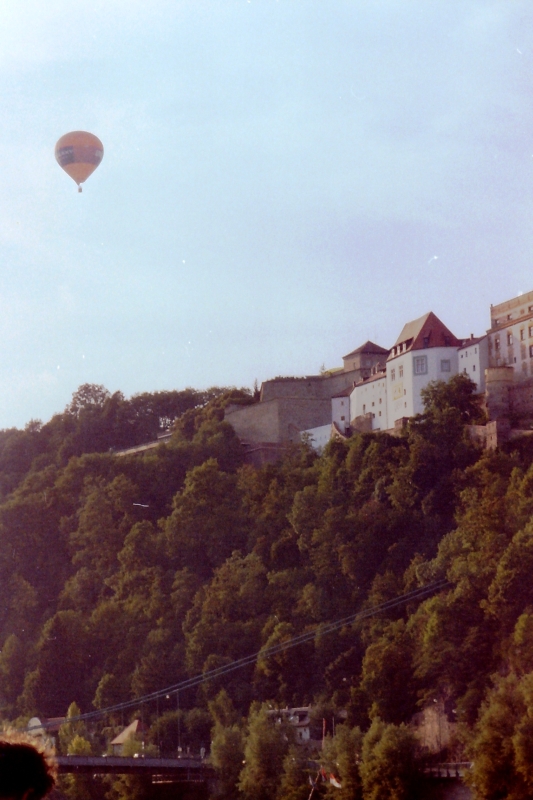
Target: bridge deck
[183,768]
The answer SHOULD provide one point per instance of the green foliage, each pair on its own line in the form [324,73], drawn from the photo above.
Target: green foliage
[386,674]
[266,746]
[294,784]
[123,575]
[227,757]
[73,737]
[206,524]
[74,741]
[341,757]
[389,769]
[502,759]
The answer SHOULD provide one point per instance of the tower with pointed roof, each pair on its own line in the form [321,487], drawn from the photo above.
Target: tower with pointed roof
[365,358]
[426,350]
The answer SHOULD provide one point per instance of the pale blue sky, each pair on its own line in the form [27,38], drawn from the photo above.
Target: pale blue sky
[278,178]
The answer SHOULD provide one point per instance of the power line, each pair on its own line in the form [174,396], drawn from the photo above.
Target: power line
[320,630]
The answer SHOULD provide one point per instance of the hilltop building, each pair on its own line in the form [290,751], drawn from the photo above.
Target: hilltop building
[511,336]
[288,406]
[379,389]
[426,350]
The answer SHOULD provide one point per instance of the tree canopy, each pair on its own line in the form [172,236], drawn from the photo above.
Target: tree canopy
[123,575]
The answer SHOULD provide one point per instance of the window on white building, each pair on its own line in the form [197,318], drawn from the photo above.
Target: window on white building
[531,350]
[393,374]
[522,334]
[509,338]
[400,370]
[473,367]
[420,364]
[445,365]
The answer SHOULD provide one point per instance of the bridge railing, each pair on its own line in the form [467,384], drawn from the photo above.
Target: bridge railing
[105,765]
[452,769]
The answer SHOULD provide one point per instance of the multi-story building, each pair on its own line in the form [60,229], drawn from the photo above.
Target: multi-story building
[378,389]
[425,351]
[473,358]
[368,402]
[510,336]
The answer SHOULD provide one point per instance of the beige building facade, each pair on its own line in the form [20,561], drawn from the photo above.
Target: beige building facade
[510,336]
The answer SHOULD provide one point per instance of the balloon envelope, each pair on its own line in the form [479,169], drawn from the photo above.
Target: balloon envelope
[79,153]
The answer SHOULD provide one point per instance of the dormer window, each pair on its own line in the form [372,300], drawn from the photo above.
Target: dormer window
[446,341]
[426,341]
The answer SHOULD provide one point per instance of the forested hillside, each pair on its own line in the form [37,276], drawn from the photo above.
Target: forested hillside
[122,576]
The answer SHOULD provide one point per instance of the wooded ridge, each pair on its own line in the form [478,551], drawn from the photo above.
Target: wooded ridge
[122,576]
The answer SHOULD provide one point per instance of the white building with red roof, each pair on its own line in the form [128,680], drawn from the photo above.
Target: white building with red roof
[425,351]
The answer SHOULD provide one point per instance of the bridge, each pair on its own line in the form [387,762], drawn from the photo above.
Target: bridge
[175,770]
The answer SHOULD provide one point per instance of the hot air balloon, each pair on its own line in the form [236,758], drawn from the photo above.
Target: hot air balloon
[79,153]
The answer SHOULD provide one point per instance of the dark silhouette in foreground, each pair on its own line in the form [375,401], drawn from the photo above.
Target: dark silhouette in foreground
[27,770]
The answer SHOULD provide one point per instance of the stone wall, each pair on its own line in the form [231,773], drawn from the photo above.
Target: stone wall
[498,381]
[521,399]
[279,420]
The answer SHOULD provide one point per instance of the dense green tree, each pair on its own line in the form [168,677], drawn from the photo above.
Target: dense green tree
[73,729]
[389,769]
[206,524]
[62,668]
[266,746]
[294,779]
[494,774]
[227,757]
[341,757]
[12,672]
[387,674]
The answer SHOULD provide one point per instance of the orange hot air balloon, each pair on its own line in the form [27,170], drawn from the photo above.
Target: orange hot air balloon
[79,153]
